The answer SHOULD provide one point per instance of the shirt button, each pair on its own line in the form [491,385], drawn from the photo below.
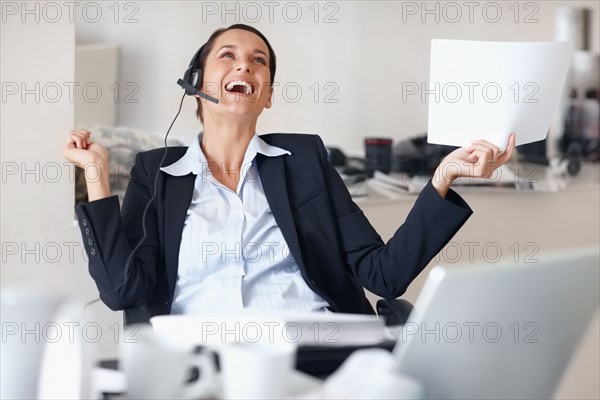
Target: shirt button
[90,241]
[84,222]
[93,251]
[87,231]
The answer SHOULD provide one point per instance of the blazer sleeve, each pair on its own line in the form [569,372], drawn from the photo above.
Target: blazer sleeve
[388,269]
[109,236]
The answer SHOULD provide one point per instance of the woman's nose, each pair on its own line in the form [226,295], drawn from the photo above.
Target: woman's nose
[243,66]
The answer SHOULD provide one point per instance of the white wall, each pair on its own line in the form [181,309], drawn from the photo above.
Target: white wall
[41,246]
[37,206]
[366,55]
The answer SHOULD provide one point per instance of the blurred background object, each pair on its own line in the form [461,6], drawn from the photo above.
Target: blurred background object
[580,138]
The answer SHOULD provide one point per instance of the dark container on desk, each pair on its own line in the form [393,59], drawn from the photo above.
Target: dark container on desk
[378,155]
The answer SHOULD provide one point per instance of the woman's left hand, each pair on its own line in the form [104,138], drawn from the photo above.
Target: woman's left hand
[479,160]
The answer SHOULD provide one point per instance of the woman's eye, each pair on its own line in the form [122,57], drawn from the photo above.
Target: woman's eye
[261,60]
[227,54]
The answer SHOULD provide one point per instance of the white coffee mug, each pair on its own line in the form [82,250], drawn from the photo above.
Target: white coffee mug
[256,370]
[43,353]
[157,367]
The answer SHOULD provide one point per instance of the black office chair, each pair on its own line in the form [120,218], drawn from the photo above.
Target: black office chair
[394,311]
[139,314]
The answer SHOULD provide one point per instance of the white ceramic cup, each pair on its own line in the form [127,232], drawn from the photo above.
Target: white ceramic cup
[157,367]
[44,353]
[256,370]
[371,374]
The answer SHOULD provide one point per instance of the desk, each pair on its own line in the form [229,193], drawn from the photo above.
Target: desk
[517,225]
[313,364]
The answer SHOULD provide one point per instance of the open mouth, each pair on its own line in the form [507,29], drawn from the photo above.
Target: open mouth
[239,87]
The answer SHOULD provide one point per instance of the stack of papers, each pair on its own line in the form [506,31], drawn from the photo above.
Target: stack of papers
[504,179]
[301,328]
[395,186]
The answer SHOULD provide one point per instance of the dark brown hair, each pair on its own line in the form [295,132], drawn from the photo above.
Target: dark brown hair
[206,49]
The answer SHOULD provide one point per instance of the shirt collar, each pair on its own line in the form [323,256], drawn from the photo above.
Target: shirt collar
[194,160]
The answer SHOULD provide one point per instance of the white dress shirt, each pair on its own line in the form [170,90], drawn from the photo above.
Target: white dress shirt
[233,254]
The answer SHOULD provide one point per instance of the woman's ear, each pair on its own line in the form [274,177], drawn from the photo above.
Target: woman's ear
[269,100]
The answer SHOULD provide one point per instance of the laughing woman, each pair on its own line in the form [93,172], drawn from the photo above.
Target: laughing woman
[241,220]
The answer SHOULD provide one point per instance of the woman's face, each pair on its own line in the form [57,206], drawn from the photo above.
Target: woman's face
[237,73]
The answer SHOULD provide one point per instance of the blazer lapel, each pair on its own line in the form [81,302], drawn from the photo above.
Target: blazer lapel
[272,176]
[178,197]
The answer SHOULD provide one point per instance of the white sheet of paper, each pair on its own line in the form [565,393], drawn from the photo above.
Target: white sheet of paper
[486,90]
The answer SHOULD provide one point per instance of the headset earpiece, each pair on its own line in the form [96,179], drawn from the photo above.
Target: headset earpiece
[193,74]
[192,79]
[196,82]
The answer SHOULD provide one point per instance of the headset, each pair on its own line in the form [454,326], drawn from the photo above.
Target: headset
[192,79]
[192,83]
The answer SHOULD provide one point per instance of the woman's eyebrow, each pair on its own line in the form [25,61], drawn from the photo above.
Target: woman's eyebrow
[232,46]
[260,52]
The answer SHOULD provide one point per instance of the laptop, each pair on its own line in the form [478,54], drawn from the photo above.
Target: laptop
[505,330]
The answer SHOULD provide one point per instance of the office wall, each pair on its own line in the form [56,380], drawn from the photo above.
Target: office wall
[37,192]
[342,65]
[41,245]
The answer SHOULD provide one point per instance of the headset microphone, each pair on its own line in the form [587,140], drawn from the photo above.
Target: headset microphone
[193,91]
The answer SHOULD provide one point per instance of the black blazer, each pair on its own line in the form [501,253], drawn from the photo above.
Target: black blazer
[337,250]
